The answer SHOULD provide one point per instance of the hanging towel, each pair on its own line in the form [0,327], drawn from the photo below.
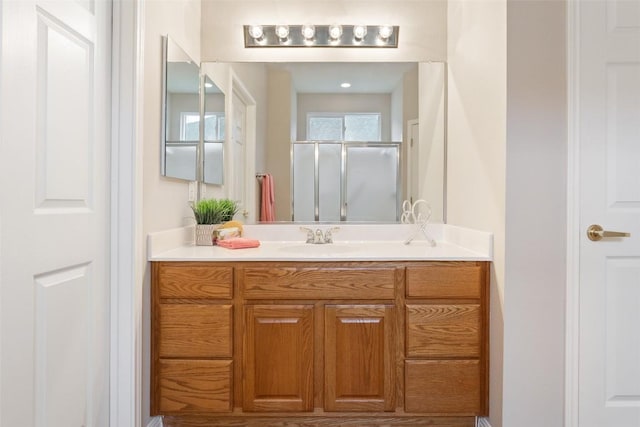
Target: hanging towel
[267,208]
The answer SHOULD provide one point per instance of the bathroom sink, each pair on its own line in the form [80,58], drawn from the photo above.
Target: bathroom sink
[328,249]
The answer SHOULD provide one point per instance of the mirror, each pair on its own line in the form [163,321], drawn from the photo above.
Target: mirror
[181,119]
[181,113]
[286,97]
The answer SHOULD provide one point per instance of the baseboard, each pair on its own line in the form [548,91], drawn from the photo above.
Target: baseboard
[483,422]
[157,422]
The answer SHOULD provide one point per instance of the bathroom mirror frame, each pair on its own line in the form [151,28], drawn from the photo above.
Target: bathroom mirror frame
[434,161]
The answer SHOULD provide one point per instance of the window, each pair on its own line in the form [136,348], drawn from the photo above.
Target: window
[213,126]
[343,127]
[189,126]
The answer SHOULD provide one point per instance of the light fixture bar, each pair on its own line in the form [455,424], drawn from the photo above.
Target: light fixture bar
[374,36]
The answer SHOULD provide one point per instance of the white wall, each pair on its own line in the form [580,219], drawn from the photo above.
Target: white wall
[535,268]
[431,145]
[164,202]
[507,72]
[181,21]
[280,107]
[477,147]
[397,123]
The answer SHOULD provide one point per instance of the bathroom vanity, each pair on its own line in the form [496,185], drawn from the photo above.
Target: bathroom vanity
[317,337]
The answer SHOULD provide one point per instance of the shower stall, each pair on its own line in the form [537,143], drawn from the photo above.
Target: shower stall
[345,181]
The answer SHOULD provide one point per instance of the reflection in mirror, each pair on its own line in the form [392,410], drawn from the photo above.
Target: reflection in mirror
[214,126]
[181,113]
[301,106]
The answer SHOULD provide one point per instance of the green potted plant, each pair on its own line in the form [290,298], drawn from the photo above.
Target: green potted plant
[209,214]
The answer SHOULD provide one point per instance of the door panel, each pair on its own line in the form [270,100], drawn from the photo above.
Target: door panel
[359,358]
[54,209]
[238,152]
[608,118]
[278,358]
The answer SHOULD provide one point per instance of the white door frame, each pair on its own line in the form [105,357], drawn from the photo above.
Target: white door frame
[572,327]
[125,400]
[239,88]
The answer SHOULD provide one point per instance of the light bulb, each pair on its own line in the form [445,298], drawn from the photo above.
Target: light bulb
[308,31]
[335,32]
[256,31]
[359,31]
[282,31]
[385,31]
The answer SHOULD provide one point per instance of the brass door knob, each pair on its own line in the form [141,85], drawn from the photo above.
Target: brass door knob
[595,233]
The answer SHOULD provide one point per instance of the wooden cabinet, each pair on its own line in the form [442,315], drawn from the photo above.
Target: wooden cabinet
[359,358]
[371,342]
[192,338]
[446,338]
[278,358]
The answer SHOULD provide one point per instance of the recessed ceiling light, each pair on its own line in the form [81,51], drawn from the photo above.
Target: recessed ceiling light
[345,85]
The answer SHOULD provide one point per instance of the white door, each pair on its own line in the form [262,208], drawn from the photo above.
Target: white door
[54,212]
[238,152]
[609,145]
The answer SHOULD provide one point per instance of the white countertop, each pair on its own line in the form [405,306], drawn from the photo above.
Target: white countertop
[353,242]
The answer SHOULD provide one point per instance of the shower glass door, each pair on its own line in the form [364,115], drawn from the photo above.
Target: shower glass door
[345,181]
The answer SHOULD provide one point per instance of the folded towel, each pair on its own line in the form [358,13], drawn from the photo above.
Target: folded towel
[238,243]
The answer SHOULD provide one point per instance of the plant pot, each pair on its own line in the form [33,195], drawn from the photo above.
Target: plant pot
[204,234]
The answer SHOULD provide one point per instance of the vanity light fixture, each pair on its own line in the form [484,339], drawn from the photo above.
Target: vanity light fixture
[335,32]
[282,31]
[256,32]
[308,32]
[384,32]
[310,35]
[359,33]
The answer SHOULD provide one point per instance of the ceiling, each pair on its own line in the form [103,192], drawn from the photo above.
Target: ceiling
[312,77]
[365,77]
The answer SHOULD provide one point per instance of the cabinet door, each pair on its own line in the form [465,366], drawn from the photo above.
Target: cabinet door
[359,358]
[278,358]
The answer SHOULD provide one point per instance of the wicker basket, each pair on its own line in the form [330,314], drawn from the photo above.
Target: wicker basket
[204,234]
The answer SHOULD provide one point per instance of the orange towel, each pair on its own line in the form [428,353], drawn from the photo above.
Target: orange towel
[267,208]
[238,243]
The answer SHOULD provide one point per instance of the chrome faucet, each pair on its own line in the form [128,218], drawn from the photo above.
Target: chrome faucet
[317,237]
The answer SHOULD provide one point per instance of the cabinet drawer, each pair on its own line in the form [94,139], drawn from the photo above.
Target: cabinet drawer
[318,283]
[443,387]
[443,330]
[195,330]
[194,280]
[446,280]
[194,386]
